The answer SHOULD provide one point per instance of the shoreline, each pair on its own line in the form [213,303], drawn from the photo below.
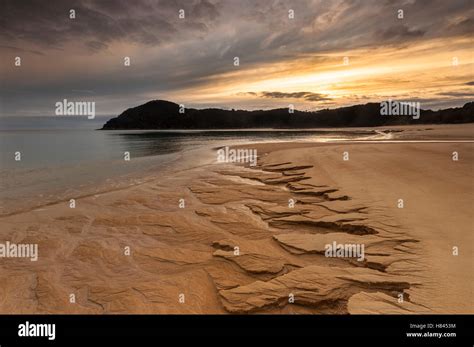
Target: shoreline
[182,253]
[24,184]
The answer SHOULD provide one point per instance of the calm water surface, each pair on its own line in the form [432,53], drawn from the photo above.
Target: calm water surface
[66,156]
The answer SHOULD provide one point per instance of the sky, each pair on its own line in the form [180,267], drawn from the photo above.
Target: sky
[313,54]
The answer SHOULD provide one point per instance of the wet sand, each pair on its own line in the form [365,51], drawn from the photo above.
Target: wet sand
[236,243]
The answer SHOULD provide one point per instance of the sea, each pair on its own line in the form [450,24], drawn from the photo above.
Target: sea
[44,160]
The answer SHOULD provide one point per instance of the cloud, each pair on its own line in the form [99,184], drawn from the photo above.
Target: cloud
[18,49]
[179,56]
[400,32]
[458,94]
[95,46]
[48,25]
[308,96]
[317,24]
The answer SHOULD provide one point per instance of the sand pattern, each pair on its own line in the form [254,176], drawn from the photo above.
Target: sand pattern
[219,238]
[302,275]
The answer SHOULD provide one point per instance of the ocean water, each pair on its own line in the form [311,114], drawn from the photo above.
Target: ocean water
[64,157]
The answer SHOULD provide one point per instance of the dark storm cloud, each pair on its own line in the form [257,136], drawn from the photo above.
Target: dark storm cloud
[47,23]
[200,48]
[333,23]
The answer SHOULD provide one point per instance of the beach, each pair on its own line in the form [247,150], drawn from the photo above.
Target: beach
[236,238]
